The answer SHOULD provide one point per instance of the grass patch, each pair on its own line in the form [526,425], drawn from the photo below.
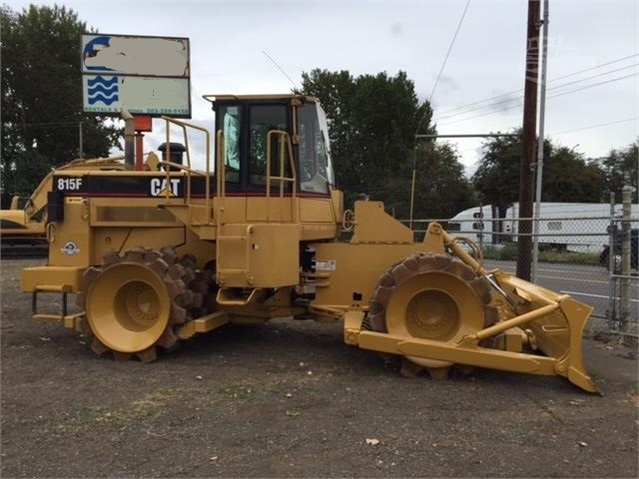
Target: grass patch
[508,252]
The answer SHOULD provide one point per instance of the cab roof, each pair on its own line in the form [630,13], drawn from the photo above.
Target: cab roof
[284,96]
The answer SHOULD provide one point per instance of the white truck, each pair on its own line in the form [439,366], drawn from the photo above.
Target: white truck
[579,227]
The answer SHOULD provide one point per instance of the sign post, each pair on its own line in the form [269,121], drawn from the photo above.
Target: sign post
[142,123]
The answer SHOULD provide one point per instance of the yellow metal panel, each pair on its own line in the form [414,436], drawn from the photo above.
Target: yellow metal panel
[256,209]
[355,269]
[274,255]
[232,255]
[374,225]
[232,209]
[63,278]
[70,242]
[260,208]
[316,210]
[261,255]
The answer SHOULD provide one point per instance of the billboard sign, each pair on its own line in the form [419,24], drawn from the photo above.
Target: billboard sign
[145,75]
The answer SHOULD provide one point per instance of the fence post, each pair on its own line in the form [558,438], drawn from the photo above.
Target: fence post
[612,313]
[624,285]
[481,230]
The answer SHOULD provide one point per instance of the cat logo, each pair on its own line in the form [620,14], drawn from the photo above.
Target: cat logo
[164,187]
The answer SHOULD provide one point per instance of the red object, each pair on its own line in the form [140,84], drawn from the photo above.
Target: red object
[143,123]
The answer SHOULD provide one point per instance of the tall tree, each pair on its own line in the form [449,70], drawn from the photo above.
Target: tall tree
[42,96]
[620,168]
[497,178]
[442,189]
[373,121]
[567,175]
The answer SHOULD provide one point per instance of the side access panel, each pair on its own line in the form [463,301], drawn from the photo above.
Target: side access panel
[258,255]
[350,272]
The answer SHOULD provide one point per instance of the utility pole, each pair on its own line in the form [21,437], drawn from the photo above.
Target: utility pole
[540,141]
[528,141]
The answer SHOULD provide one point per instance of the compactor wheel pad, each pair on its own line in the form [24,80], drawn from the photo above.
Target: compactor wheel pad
[430,296]
[135,301]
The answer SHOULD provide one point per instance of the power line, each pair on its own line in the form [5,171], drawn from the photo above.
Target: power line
[594,85]
[553,96]
[446,112]
[439,75]
[600,125]
[419,123]
[492,106]
[593,76]
[450,47]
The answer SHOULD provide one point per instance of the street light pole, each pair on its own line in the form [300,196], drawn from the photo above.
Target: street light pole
[540,142]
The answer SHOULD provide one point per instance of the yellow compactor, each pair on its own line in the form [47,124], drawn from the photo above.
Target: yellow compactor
[154,257]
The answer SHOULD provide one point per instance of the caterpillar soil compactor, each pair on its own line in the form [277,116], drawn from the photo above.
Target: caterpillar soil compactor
[155,257]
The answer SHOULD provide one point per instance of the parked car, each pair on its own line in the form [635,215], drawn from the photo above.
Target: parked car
[634,251]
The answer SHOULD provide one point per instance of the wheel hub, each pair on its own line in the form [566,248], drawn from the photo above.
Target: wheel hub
[432,314]
[141,303]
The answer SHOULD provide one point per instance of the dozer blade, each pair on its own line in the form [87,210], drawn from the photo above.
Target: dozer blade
[558,334]
[554,325]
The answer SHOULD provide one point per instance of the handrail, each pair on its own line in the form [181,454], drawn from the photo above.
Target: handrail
[189,170]
[269,178]
[220,176]
[182,167]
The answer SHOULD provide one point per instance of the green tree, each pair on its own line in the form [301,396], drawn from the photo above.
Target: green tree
[567,175]
[442,189]
[373,121]
[42,97]
[620,168]
[497,177]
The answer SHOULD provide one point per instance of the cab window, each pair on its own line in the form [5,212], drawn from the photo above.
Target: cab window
[312,152]
[262,119]
[231,129]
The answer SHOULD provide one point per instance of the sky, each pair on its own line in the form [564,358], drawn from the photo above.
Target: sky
[242,47]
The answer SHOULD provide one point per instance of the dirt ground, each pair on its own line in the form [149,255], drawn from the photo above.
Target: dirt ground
[289,399]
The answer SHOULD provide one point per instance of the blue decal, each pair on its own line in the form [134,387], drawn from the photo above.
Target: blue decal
[92,48]
[102,89]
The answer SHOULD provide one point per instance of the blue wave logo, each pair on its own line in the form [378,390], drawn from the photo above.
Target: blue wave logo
[103,89]
[92,48]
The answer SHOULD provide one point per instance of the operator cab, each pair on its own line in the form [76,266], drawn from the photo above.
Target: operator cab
[276,141]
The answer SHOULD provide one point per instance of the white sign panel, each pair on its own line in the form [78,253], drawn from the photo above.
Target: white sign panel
[145,75]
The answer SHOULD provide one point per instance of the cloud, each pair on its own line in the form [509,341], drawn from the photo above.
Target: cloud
[396,29]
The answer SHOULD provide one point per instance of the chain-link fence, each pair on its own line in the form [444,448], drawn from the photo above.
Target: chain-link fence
[588,251]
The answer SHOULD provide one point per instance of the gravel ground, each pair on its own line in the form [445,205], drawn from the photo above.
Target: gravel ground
[289,399]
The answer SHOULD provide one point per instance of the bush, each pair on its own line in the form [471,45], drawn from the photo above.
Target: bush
[508,252]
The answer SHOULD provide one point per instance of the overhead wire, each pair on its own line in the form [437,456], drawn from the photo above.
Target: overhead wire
[421,119]
[600,125]
[520,97]
[492,110]
[510,99]
[446,112]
